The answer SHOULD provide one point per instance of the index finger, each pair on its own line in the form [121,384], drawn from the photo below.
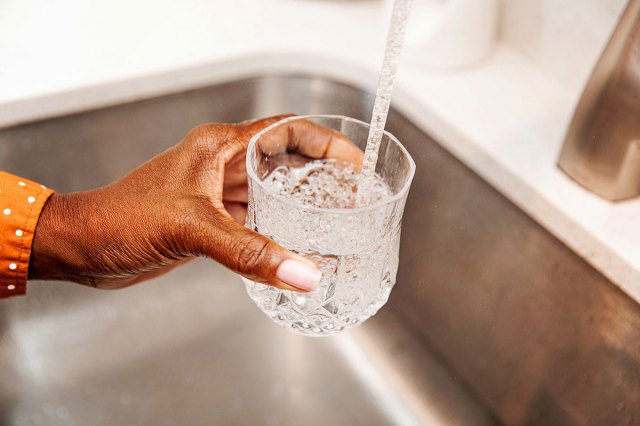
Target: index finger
[311,140]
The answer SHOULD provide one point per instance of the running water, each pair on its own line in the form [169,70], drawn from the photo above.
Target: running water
[356,251]
[395,39]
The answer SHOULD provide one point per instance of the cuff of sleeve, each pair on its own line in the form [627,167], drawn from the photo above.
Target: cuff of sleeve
[21,202]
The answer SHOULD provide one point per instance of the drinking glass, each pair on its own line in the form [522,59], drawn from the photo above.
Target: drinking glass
[355,247]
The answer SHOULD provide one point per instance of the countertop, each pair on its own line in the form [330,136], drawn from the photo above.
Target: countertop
[505,117]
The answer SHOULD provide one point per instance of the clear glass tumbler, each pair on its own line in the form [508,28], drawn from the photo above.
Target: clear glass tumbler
[355,247]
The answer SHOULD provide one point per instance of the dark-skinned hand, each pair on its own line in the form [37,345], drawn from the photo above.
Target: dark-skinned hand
[189,201]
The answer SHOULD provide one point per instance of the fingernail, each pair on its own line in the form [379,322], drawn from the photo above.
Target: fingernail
[299,274]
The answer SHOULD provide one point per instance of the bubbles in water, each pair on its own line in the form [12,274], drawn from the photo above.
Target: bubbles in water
[355,249]
[325,183]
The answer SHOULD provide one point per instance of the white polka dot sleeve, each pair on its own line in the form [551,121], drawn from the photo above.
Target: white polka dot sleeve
[21,202]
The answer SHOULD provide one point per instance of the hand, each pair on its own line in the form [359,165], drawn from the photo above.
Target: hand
[188,201]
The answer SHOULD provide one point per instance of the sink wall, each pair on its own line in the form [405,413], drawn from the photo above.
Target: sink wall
[536,332]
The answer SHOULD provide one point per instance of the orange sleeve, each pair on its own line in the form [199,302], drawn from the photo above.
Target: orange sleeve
[21,202]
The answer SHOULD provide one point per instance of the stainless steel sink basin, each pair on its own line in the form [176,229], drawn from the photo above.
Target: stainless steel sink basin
[492,320]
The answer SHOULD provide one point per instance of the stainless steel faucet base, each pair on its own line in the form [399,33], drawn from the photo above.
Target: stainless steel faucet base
[602,147]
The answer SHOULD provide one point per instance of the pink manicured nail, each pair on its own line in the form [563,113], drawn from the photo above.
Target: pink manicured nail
[299,274]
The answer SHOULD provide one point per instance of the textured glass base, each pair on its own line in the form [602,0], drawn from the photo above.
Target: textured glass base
[321,312]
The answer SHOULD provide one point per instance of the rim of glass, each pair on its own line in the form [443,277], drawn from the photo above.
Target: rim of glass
[252,174]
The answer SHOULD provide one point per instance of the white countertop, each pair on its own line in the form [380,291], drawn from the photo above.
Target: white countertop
[505,118]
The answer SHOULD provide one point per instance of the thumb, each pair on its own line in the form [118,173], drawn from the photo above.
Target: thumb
[257,257]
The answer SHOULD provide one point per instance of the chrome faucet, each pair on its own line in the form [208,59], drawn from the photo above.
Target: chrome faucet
[602,147]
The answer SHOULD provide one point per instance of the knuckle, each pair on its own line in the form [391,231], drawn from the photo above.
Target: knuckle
[203,136]
[252,255]
[210,140]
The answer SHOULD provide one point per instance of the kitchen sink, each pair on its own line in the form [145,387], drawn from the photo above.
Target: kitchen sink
[492,320]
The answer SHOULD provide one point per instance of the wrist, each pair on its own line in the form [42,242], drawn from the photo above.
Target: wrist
[56,253]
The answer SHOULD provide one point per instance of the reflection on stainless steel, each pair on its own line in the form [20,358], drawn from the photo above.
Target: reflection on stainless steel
[602,148]
[492,319]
